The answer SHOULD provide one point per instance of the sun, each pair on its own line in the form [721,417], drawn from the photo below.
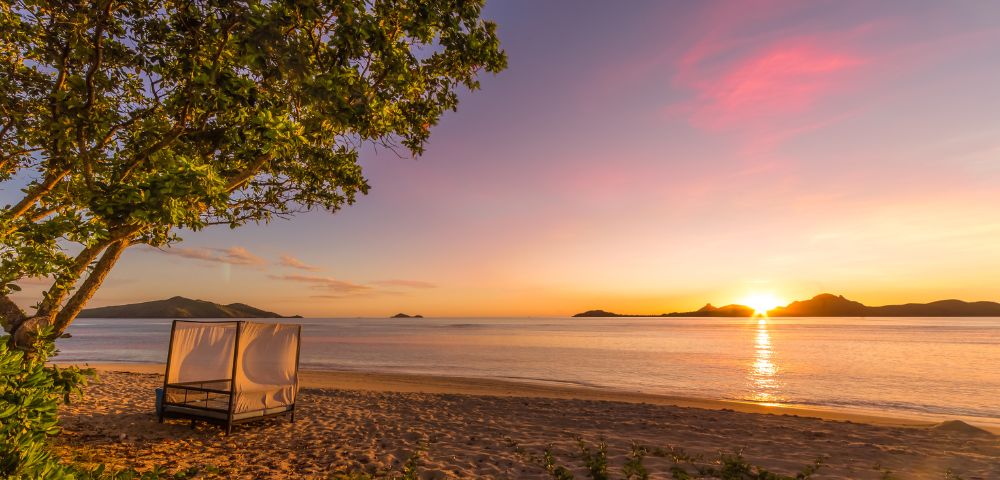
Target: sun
[761,302]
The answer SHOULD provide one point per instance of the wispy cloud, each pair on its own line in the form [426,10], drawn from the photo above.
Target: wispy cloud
[232,255]
[356,295]
[292,262]
[35,281]
[404,283]
[329,284]
[780,80]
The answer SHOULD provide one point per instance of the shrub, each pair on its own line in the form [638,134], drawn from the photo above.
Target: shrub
[558,472]
[30,393]
[685,467]
[596,462]
[634,468]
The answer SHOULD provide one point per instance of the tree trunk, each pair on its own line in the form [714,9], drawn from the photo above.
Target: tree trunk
[26,333]
[11,315]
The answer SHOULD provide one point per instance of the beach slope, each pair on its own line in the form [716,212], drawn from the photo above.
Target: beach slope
[471,428]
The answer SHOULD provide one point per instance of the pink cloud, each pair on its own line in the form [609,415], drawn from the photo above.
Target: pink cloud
[404,283]
[781,80]
[335,288]
[232,255]
[292,262]
[332,285]
[710,29]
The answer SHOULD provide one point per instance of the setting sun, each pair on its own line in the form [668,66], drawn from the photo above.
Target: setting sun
[761,302]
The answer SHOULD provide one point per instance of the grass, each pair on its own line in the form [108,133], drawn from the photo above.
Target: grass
[156,473]
[593,461]
[590,459]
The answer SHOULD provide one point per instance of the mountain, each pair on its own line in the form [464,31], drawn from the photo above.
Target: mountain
[822,305]
[829,305]
[598,313]
[403,315]
[178,307]
[941,308]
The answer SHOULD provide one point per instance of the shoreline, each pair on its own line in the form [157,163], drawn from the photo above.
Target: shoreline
[441,384]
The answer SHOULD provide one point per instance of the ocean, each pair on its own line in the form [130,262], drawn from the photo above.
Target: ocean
[928,368]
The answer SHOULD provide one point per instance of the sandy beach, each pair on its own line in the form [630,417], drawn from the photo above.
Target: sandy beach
[475,428]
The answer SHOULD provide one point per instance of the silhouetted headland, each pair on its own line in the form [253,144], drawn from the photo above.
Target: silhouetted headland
[403,315]
[829,305]
[178,307]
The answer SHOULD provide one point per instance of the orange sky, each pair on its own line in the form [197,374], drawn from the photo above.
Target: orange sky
[654,158]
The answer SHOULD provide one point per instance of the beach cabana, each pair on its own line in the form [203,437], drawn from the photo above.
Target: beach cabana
[231,372]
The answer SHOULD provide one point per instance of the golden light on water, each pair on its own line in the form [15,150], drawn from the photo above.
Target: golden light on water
[763,374]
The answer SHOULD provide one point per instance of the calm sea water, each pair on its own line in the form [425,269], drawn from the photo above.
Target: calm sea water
[916,367]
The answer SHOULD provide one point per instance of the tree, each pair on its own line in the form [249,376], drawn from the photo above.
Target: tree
[131,119]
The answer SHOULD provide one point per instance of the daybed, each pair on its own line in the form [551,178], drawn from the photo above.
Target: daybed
[230,372]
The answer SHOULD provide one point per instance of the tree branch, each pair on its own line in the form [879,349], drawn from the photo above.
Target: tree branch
[241,178]
[33,196]
[167,139]
[98,57]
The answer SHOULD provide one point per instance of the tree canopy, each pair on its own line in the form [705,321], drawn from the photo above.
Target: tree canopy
[130,119]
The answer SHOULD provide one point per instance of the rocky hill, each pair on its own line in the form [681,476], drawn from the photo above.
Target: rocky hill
[178,307]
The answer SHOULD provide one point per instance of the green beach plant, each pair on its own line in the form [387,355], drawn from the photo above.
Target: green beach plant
[101,472]
[733,466]
[634,468]
[30,394]
[558,472]
[596,460]
[411,469]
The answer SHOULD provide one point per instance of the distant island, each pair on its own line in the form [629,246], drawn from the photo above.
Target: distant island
[179,307]
[829,305]
[403,315]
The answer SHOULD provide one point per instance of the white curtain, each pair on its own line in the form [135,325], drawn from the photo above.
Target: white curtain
[266,366]
[201,351]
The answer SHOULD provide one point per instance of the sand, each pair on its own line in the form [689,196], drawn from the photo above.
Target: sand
[476,428]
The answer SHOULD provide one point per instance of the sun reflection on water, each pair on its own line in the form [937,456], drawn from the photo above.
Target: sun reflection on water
[763,374]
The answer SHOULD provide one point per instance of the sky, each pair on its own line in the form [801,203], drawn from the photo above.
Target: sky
[648,157]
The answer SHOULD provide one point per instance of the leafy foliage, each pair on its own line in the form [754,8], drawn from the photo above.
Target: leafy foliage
[131,119]
[30,393]
[735,467]
[558,472]
[412,467]
[156,473]
[595,461]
